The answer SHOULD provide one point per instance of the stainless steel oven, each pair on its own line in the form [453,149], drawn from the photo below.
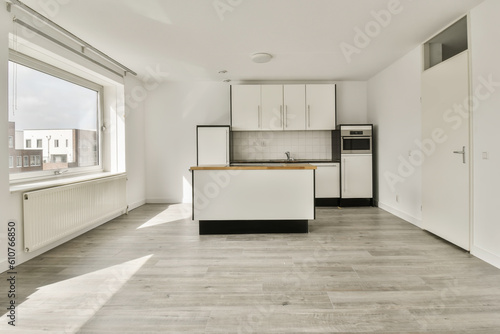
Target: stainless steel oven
[356,139]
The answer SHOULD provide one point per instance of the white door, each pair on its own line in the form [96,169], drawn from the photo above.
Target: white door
[294,100]
[213,146]
[245,107]
[445,145]
[272,107]
[320,101]
[356,176]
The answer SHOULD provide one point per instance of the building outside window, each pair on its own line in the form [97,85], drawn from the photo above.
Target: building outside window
[19,161]
[68,111]
[11,142]
[11,162]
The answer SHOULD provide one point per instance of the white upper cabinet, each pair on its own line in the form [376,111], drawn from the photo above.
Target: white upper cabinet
[320,102]
[272,107]
[294,104]
[283,107]
[245,107]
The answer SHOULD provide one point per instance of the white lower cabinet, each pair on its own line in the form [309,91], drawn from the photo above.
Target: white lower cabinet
[356,176]
[274,194]
[327,180]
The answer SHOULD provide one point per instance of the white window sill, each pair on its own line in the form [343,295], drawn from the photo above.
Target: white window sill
[60,181]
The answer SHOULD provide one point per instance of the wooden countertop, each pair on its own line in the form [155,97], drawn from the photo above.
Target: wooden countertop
[253,167]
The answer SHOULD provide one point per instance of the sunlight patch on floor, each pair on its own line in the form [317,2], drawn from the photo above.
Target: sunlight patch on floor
[64,307]
[173,213]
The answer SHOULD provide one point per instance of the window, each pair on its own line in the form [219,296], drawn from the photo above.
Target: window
[35,160]
[11,142]
[69,109]
[19,161]
[11,162]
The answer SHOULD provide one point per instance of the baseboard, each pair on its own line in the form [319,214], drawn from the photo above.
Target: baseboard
[160,201]
[486,256]
[403,215]
[135,205]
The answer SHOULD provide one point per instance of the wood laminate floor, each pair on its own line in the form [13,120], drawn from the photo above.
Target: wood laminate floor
[359,270]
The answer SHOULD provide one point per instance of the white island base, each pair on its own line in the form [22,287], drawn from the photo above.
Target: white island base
[253,199]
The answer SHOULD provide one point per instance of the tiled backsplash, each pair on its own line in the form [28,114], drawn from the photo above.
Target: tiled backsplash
[267,145]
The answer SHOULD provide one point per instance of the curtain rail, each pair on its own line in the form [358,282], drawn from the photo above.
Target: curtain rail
[54,25]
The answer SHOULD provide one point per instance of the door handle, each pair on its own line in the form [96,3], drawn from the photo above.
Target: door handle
[462,152]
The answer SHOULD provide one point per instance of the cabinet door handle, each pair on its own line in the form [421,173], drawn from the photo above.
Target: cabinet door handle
[281,117]
[309,116]
[343,173]
[258,117]
[286,116]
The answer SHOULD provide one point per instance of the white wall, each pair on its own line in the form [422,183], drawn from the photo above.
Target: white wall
[135,146]
[352,104]
[394,109]
[485,49]
[172,112]
[5,23]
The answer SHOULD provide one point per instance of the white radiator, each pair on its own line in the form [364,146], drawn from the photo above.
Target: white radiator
[54,213]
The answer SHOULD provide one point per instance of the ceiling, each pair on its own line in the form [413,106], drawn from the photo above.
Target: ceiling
[309,39]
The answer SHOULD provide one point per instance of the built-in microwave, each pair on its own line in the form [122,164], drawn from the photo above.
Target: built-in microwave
[356,139]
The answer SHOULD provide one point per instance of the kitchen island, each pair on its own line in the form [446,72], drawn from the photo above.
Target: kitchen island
[274,198]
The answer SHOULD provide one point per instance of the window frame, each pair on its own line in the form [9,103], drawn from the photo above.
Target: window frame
[59,73]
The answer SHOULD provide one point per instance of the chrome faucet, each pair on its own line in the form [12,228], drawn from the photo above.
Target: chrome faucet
[288,158]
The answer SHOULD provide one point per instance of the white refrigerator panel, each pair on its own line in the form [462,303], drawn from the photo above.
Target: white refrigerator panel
[213,145]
